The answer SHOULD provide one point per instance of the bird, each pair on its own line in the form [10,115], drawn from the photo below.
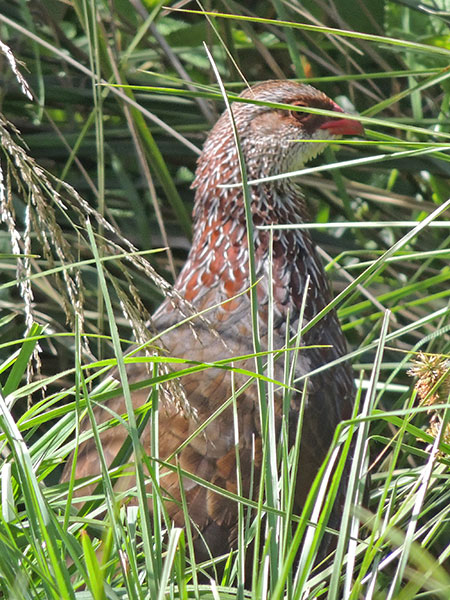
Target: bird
[208,318]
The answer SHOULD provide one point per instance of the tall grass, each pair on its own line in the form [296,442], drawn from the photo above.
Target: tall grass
[95,210]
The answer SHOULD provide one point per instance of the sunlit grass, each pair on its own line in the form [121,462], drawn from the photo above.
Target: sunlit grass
[99,174]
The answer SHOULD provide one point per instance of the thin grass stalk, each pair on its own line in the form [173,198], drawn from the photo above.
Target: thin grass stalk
[326,30]
[157,509]
[240,562]
[176,537]
[133,433]
[188,535]
[357,472]
[425,478]
[262,391]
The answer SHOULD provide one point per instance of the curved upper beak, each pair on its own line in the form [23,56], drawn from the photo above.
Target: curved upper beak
[343,127]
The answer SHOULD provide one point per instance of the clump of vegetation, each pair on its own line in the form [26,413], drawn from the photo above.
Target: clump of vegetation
[104,107]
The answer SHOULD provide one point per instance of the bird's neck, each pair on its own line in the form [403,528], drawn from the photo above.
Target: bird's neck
[219,256]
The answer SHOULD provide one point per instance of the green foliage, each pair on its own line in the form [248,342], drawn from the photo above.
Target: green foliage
[95,203]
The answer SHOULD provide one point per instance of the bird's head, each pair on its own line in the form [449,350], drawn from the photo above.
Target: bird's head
[271,138]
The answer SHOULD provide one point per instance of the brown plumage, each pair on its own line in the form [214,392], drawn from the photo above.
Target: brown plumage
[216,271]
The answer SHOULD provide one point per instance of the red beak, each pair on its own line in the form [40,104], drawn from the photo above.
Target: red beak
[343,127]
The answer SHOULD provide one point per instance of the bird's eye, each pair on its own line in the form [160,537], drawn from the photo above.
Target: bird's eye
[299,115]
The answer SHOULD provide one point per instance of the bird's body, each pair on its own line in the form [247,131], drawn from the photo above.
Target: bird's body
[216,279]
